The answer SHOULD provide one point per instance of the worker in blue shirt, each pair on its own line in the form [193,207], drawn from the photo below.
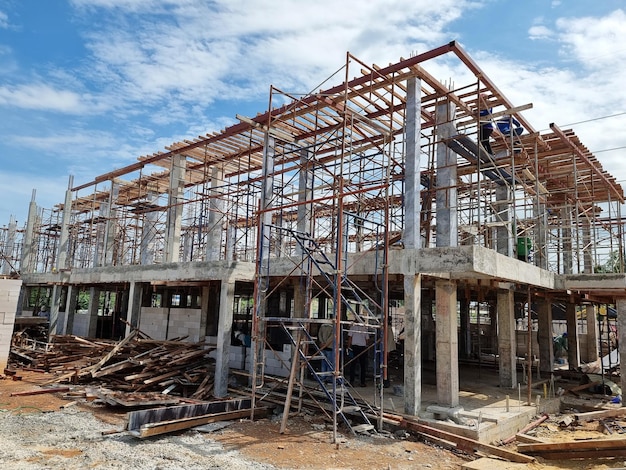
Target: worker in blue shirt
[507,124]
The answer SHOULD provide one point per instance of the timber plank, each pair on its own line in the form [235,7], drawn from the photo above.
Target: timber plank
[601,414]
[574,445]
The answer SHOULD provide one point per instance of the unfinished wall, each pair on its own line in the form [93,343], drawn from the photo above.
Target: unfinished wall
[9,295]
[163,323]
[80,326]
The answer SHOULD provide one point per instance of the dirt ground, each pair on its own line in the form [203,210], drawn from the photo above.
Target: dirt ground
[305,445]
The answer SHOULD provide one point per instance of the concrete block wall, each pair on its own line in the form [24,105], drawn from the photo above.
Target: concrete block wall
[241,358]
[81,324]
[9,295]
[169,323]
[184,322]
[153,322]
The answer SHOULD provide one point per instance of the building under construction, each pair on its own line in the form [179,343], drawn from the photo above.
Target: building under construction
[369,204]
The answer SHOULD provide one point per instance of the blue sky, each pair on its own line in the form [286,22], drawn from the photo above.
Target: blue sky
[87,86]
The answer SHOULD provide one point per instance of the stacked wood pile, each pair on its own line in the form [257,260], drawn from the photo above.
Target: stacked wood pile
[135,364]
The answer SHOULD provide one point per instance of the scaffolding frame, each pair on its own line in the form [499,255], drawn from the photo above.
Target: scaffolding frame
[315,187]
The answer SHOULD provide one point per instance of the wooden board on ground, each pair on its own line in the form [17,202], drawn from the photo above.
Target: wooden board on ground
[601,414]
[590,449]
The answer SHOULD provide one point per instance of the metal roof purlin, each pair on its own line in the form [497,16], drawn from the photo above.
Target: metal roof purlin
[583,157]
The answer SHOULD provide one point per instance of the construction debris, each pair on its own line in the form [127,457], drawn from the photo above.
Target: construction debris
[135,364]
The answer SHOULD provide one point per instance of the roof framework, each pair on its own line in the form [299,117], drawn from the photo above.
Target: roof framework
[354,132]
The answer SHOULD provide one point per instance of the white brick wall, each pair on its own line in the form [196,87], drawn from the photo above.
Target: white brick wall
[80,325]
[185,322]
[9,295]
[153,322]
[163,323]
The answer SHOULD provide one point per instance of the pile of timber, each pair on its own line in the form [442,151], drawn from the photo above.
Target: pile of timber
[135,364]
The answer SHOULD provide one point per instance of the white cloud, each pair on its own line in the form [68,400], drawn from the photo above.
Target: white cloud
[594,42]
[46,98]
[4,20]
[229,49]
[540,32]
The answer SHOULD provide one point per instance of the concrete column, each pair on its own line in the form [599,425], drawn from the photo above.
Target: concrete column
[110,227]
[231,240]
[428,326]
[204,306]
[300,300]
[587,246]
[149,230]
[593,334]
[506,339]
[504,234]
[305,193]
[446,197]
[9,249]
[620,306]
[9,298]
[216,215]
[465,333]
[412,344]
[70,310]
[29,247]
[412,183]
[186,242]
[63,248]
[92,312]
[541,257]
[57,290]
[573,351]
[175,209]
[566,240]
[282,304]
[133,310]
[101,254]
[447,343]
[224,331]
[258,344]
[544,336]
